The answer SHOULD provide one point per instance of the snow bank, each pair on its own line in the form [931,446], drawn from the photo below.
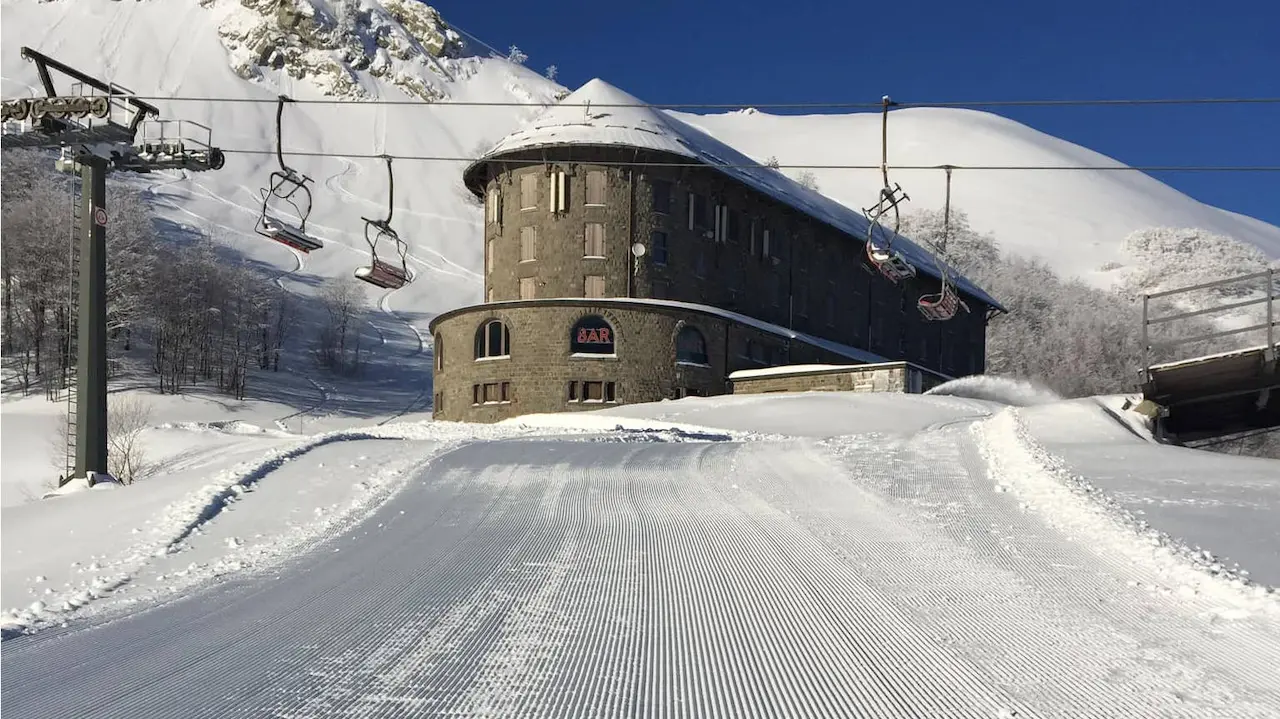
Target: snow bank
[1019,393]
[173,526]
[613,428]
[1021,465]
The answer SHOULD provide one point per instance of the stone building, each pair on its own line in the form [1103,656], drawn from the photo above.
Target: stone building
[630,257]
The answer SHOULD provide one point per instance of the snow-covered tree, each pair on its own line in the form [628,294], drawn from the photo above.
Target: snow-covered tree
[551,73]
[808,179]
[516,56]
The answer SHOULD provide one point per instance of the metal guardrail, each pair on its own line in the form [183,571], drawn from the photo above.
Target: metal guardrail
[1270,295]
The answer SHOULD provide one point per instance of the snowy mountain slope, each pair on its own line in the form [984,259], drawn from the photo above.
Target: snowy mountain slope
[401,50]
[1075,220]
[189,49]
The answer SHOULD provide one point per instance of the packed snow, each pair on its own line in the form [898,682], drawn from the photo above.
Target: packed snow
[953,538]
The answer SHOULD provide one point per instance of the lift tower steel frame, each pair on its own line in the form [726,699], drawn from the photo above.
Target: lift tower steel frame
[96,127]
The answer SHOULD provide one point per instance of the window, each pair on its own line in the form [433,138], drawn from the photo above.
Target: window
[661,290]
[437,348]
[733,231]
[700,267]
[529,190]
[528,288]
[489,295]
[728,224]
[691,346]
[438,405]
[658,241]
[491,393]
[493,206]
[592,391]
[661,196]
[493,340]
[528,244]
[559,200]
[595,187]
[592,335]
[593,243]
[776,283]
[488,256]
[699,212]
[593,286]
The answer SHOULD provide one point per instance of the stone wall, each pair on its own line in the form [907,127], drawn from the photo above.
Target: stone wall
[887,377]
[812,279]
[643,368]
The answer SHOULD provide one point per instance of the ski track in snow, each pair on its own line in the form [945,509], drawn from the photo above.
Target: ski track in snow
[949,573]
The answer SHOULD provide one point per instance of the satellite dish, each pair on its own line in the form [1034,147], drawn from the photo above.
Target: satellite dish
[638,249]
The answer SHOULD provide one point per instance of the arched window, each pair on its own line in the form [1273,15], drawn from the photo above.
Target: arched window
[592,335]
[691,346]
[493,340]
[437,348]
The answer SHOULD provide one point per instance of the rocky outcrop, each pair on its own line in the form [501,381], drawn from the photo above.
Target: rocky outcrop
[330,42]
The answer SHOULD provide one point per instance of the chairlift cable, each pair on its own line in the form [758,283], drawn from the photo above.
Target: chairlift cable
[1094,102]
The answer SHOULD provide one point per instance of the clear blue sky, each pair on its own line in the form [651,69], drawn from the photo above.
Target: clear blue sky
[755,52]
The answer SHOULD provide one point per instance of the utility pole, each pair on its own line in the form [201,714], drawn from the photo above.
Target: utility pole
[91,345]
[97,126]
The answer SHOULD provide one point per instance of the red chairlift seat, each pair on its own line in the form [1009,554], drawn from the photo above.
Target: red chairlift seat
[942,306]
[891,264]
[287,234]
[382,274]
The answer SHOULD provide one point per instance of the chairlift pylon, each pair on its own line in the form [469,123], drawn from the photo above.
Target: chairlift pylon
[945,303]
[378,272]
[285,183]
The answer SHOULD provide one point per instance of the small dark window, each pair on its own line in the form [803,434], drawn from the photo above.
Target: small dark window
[439,403]
[659,242]
[661,290]
[691,346]
[733,232]
[592,335]
[661,196]
[493,340]
[491,393]
[592,391]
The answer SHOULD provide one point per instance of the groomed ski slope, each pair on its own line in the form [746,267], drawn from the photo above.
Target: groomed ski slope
[941,566]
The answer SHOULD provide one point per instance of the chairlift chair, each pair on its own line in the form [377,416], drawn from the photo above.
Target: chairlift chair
[941,306]
[378,272]
[945,303]
[884,258]
[285,183]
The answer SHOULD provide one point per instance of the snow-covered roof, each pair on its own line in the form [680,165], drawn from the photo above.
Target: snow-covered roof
[853,353]
[807,369]
[651,129]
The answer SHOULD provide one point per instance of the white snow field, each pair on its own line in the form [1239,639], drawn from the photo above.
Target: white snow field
[816,554]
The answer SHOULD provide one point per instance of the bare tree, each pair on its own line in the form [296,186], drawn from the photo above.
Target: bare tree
[338,341]
[808,179]
[127,417]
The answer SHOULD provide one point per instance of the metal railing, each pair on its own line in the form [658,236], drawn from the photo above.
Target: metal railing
[1269,296]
